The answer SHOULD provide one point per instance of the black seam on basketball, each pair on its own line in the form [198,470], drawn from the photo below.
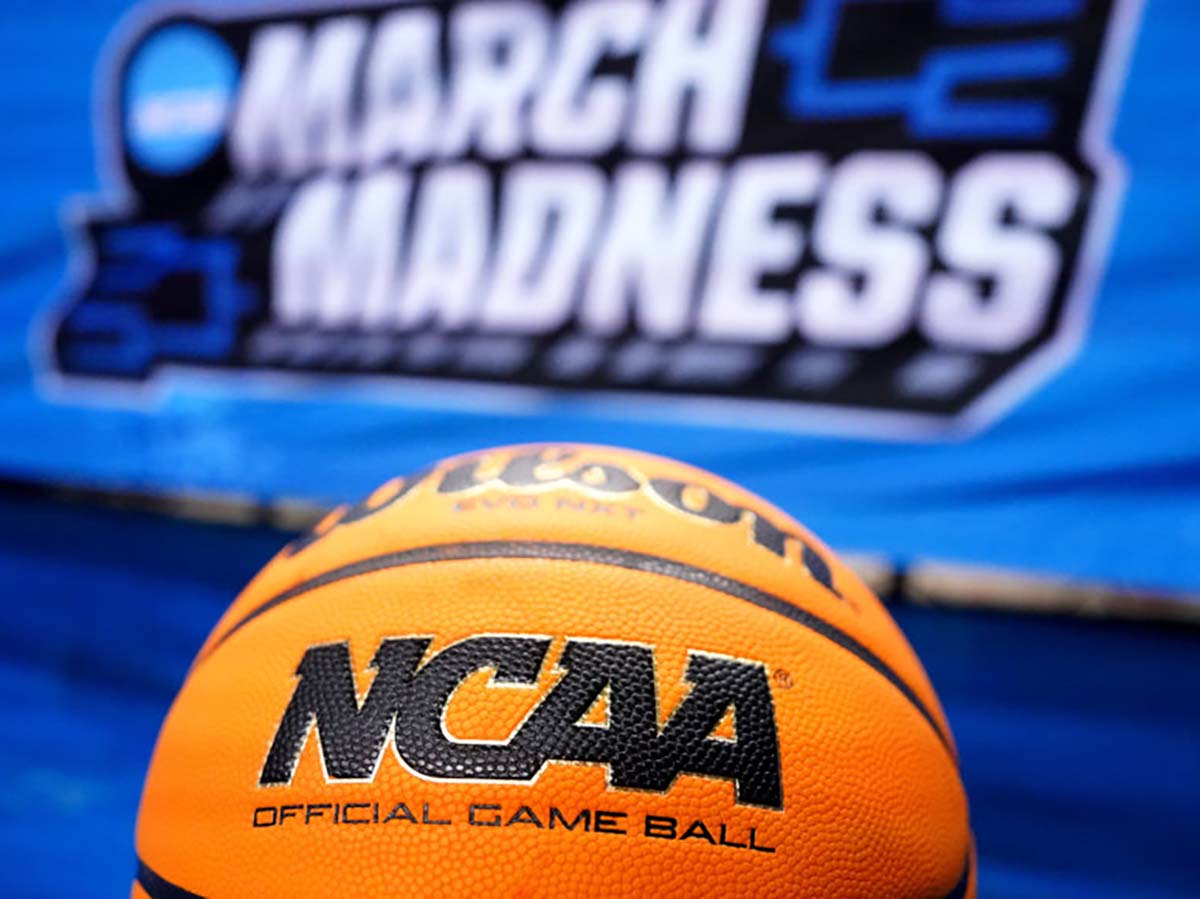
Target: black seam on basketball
[158,887]
[600,555]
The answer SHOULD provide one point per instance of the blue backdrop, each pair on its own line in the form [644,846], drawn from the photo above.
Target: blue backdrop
[1095,473]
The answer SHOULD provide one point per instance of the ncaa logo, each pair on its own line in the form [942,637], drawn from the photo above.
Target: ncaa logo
[880,215]
[407,702]
[179,91]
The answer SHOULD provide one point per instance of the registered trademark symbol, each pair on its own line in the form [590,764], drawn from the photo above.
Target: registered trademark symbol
[782,679]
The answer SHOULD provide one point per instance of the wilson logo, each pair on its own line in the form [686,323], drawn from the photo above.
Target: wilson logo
[563,467]
[411,691]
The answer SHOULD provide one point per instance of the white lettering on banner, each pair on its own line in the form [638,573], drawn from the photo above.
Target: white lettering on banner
[294,111]
[577,111]
[650,254]
[512,85]
[500,50]
[750,242]
[566,243]
[550,215]
[889,257]
[260,139]
[335,256]
[451,235]
[710,62]
[328,89]
[1021,261]
[402,93]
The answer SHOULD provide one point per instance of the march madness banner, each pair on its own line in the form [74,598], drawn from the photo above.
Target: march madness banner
[917,269]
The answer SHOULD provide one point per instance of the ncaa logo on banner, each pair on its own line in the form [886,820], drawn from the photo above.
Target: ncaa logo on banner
[877,215]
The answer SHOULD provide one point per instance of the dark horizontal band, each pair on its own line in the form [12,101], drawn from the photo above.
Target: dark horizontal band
[158,887]
[959,890]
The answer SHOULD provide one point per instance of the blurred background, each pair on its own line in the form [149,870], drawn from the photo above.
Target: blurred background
[923,272]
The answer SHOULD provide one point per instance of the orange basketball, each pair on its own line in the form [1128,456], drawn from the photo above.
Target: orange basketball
[555,671]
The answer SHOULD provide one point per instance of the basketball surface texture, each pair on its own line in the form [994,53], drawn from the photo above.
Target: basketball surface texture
[555,671]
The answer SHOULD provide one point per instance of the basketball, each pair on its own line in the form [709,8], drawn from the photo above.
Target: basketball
[555,670]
